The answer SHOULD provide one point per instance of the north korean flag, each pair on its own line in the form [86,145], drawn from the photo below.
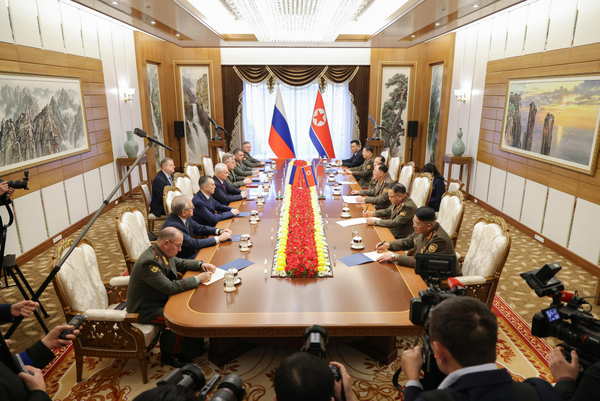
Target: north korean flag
[319,129]
[309,176]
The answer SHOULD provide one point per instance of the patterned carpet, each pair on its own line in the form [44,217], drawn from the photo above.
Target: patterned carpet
[526,254]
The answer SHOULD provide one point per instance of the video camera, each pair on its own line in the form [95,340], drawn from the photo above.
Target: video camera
[315,339]
[191,377]
[582,334]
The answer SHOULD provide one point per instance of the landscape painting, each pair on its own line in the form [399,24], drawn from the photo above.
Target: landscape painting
[195,87]
[155,112]
[395,82]
[435,99]
[42,119]
[554,120]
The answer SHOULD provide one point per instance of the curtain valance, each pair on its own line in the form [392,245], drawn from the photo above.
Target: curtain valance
[296,75]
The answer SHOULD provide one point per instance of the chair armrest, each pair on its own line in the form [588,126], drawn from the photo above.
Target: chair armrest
[132,317]
[106,315]
[122,281]
[471,280]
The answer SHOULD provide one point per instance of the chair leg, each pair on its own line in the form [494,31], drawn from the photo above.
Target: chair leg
[144,366]
[79,365]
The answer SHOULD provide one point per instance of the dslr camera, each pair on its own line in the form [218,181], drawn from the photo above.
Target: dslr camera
[582,334]
[315,339]
[191,377]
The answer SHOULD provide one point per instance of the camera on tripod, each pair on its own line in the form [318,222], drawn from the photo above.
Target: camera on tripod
[192,378]
[582,334]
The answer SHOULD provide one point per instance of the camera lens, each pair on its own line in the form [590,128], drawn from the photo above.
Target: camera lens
[230,389]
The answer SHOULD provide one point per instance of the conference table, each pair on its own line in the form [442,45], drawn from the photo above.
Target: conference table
[366,306]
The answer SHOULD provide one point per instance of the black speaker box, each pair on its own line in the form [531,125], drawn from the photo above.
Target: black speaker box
[413,129]
[179,130]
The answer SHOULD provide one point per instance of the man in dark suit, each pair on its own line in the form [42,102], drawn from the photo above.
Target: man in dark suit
[233,179]
[225,193]
[357,158]
[182,210]
[463,333]
[163,178]
[208,211]
[566,375]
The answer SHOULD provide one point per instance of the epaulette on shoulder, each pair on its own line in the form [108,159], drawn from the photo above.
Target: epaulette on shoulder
[156,256]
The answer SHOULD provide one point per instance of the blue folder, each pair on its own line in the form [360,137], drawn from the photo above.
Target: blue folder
[355,260]
[238,264]
[243,214]
[235,238]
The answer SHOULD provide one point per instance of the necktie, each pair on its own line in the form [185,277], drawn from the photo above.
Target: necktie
[170,180]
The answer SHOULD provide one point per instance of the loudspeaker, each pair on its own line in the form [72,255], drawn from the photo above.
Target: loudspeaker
[179,130]
[413,129]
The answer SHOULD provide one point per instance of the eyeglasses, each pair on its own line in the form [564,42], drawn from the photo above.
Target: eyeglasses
[189,208]
[177,245]
[394,196]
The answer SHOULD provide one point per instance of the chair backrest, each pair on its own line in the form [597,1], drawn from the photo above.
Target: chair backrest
[79,281]
[193,172]
[386,153]
[184,184]
[145,191]
[221,153]
[421,189]
[169,193]
[489,248]
[407,174]
[131,231]
[208,166]
[394,168]
[452,210]
[455,185]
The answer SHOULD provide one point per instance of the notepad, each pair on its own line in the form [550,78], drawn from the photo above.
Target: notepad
[216,276]
[347,182]
[375,255]
[352,222]
[351,199]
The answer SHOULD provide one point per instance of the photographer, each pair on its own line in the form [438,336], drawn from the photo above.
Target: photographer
[566,375]
[5,191]
[463,334]
[27,386]
[304,376]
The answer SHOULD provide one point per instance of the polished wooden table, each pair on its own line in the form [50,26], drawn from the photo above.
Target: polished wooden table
[369,302]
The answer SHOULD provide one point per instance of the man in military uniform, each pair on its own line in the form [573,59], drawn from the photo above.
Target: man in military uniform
[153,280]
[429,237]
[240,168]
[233,179]
[250,161]
[364,173]
[398,217]
[377,194]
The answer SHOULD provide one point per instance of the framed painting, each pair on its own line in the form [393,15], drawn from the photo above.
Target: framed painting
[42,119]
[155,112]
[395,94]
[554,119]
[433,122]
[196,94]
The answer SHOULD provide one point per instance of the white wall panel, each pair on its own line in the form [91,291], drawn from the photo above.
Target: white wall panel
[12,240]
[588,28]
[5,31]
[55,206]
[50,25]
[89,33]
[497,185]
[30,214]
[586,231]
[459,51]
[120,58]
[466,81]
[559,212]
[517,20]
[513,196]
[534,205]
[71,29]
[134,105]
[562,24]
[482,181]
[25,23]
[93,189]
[537,27]
[499,25]
[107,177]
[76,198]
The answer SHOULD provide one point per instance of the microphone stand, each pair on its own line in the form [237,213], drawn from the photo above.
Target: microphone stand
[38,294]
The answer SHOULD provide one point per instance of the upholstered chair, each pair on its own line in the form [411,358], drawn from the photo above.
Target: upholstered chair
[132,234]
[107,332]
[169,193]
[487,254]
[147,199]
[421,189]
[394,168]
[184,184]
[193,172]
[386,153]
[407,174]
[450,216]
[455,185]
[208,166]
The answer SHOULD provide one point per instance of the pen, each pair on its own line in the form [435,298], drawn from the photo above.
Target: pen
[378,245]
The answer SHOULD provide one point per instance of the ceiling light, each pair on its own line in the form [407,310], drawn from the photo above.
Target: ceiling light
[413,36]
[475,5]
[152,22]
[176,34]
[437,24]
[115,2]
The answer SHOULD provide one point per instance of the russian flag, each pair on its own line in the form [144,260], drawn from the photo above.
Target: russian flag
[280,138]
[319,129]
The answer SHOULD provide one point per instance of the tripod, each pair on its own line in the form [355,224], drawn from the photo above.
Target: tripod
[66,255]
[10,268]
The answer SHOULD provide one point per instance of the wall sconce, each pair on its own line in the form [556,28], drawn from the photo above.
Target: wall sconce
[461,95]
[128,94]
